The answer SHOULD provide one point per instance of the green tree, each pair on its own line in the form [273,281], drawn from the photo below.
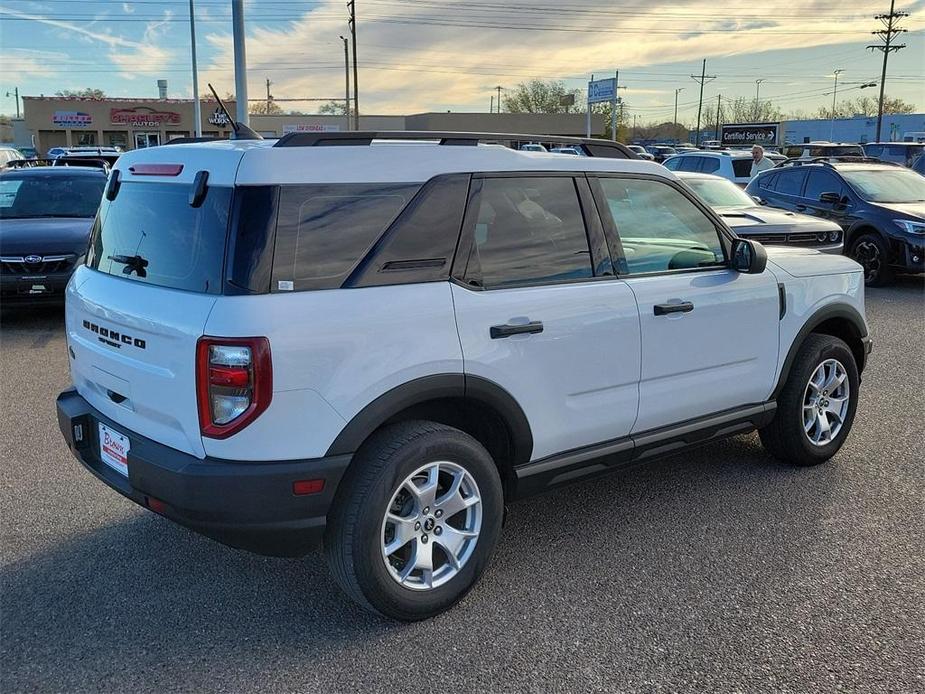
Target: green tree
[88,93]
[865,106]
[333,108]
[540,96]
[264,108]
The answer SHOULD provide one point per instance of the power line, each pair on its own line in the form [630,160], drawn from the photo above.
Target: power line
[702,79]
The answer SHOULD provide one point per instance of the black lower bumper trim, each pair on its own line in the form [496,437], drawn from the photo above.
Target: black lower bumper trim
[250,505]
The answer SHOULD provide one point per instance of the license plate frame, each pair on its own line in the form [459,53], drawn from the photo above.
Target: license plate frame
[114,448]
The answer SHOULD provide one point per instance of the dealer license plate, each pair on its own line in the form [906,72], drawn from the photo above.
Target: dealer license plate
[114,448]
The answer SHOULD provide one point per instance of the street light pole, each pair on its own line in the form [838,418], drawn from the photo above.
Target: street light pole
[197,108]
[676,92]
[356,81]
[757,100]
[834,93]
[16,96]
[346,82]
[240,62]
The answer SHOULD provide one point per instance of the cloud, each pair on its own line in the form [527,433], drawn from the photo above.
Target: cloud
[24,62]
[432,55]
[127,8]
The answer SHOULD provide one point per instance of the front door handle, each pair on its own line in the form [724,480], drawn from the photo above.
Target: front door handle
[800,208]
[499,331]
[665,309]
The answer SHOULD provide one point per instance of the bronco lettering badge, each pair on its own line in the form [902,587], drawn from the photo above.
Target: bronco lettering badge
[113,338]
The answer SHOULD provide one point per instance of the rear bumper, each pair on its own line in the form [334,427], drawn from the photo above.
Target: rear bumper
[249,505]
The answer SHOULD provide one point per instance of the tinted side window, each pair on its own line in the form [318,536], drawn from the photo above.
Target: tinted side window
[742,167]
[528,231]
[873,150]
[660,229]
[820,182]
[768,182]
[690,164]
[673,163]
[709,164]
[790,182]
[421,243]
[324,230]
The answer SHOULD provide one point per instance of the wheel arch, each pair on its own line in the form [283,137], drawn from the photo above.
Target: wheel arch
[838,320]
[475,405]
[861,227]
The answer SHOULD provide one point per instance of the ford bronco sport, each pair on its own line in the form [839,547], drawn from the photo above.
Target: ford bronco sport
[379,339]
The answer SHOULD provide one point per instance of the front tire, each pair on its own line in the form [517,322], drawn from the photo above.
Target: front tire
[872,253]
[415,520]
[816,407]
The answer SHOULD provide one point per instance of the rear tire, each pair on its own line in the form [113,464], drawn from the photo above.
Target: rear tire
[873,254]
[396,514]
[812,420]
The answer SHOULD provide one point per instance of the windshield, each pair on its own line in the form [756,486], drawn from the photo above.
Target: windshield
[720,192]
[25,196]
[151,234]
[878,185]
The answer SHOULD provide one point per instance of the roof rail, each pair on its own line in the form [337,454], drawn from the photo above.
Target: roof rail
[190,140]
[592,147]
[829,161]
[81,162]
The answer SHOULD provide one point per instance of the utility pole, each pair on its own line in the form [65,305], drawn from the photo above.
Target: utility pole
[491,106]
[499,97]
[719,111]
[269,98]
[834,93]
[346,82]
[240,62]
[588,111]
[676,92]
[16,95]
[757,101]
[890,31]
[703,78]
[356,82]
[613,110]
[634,126]
[197,109]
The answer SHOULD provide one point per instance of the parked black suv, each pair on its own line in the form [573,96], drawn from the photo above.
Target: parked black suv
[880,206]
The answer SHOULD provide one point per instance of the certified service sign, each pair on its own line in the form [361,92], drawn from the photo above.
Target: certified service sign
[747,134]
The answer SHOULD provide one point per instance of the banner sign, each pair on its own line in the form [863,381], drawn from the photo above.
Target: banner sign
[143,117]
[602,90]
[747,134]
[71,119]
[310,128]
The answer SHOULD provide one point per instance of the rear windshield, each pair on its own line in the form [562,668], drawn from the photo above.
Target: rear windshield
[31,195]
[151,234]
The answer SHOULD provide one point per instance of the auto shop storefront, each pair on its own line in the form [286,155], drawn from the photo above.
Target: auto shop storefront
[126,123]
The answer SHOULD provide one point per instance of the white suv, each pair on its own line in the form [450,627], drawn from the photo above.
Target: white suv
[732,164]
[381,344]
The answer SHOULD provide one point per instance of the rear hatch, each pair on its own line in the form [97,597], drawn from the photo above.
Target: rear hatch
[154,271]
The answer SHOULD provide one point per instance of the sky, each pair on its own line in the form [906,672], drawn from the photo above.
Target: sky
[438,55]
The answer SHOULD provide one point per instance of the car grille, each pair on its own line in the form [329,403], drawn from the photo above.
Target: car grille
[37,265]
[805,238]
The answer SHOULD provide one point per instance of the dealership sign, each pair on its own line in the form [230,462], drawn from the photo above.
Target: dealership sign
[747,134]
[602,90]
[71,119]
[142,117]
[310,128]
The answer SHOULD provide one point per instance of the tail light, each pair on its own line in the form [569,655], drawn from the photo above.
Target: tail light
[234,383]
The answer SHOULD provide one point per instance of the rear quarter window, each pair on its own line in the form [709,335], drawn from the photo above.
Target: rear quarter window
[324,230]
[742,168]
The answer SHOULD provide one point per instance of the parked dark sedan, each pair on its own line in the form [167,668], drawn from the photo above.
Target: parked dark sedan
[770,226]
[45,219]
[880,207]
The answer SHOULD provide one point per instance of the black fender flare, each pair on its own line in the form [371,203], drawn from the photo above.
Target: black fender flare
[823,314]
[437,387]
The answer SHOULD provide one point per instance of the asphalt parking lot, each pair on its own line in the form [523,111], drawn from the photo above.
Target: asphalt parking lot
[717,571]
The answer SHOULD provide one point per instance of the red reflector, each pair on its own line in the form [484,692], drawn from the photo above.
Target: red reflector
[231,376]
[156,169]
[302,487]
[157,505]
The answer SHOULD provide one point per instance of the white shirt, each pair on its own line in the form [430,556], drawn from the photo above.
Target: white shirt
[762,164]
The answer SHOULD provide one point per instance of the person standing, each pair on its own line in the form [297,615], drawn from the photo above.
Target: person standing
[759,161]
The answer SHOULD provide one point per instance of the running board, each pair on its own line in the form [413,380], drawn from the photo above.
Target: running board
[591,461]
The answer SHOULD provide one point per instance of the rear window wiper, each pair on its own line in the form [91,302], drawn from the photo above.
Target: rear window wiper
[133,263]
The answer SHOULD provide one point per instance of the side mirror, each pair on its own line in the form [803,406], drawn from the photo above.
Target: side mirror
[830,198]
[749,257]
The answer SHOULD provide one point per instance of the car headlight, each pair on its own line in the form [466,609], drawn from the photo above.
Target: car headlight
[834,236]
[909,226]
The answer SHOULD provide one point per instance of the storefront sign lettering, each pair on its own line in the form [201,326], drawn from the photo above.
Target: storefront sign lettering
[142,116]
[71,119]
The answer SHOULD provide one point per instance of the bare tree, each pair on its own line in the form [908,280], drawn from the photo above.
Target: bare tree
[539,96]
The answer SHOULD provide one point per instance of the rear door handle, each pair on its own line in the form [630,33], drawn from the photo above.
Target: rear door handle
[665,309]
[499,331]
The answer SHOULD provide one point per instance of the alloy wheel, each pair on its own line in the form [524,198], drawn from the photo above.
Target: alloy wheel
[825,402]
[431,525]
[867,254]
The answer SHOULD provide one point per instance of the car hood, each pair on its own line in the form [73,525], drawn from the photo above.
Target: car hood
[915,210]
[44,236]
[761,219]
[807,262]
